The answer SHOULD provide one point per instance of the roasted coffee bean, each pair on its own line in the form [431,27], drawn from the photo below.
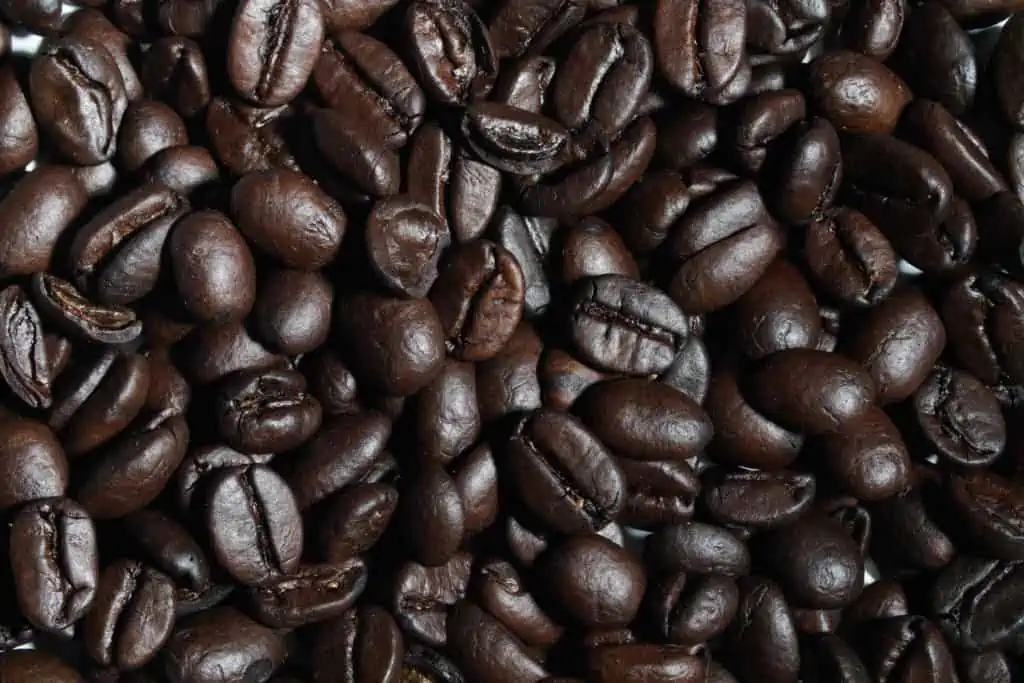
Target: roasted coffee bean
[292,311]
[960,417]
[174,70]
[309,595]
[131,472]
[520,27]
[898,343]
[479,295]
[132,618]
[902,648]
[221,645]
[501,591]
[764,642]
[24,365]
[368,642]
[266,411]
[253,522]
[422,597]
[514,140]
[811,391]
[61,304]
[272,48]
[644,420]
[21,144]
[1006,76]
[875,28]
[78,98]
[167,546]
[991,510]
[973,600]
[55,562]
[937,58]
[341,453]
[212,352]
[779,312]
[188,170]
[759,500]
[509,383]
[761,120]
[355,520]
[626,326]
[487,651]
[147,128]
[361,76]
[432,516]
[117,255]
[32,463]
[983,312]
[865,457]
[405,241]
[810,172]
[563,474]
[856,93]
[37,210]
[699,45]
[923,543]
[637,661]
[247,139]
[451,50]
[460,189]
[721,247]
[287,216]
[25,666]
[651,209]
[689,611]
[202,461]
[528,240]
[850,258]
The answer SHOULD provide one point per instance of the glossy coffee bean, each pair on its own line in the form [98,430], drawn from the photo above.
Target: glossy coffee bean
[221,645]
[850,258]
[24,666]
[422,597]
[405,242]
[311,594]
[292,311]
[367,640]
[32,461]
[856,93]
[960,417]
[266,411]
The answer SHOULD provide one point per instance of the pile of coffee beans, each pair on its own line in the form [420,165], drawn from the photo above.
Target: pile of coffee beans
[512,341]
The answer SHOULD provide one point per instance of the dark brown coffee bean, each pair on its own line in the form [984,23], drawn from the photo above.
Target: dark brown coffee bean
[254,524]
[479,295]
[355,519]
[856,93]
[368,643]
[991,510]
[936,57]
[60,303]
[779,312]
[221,645]
[487,651]
[520,27]
[272,48]
[563,474]
[960,417]
[500,590]
[174,70]
[357,154]
[21,144]
[422,597]
[405,241]
[292,312]
[759,500]
[26,666]
[55,561]
[117,254]
[132,618]
[866,457]
[700,44]
[202,461]
[266,411]
[983,312]
[639,661]
[24,364]
[32,463]
[850,258]
[626,326]
[763,642]
[310,594]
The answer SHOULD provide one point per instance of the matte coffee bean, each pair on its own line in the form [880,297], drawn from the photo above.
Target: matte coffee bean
[644,420]
[116,256]
[405,241]
[287,216]
[479,295]
[810,391]
[563,474]
[254,525]
[78,98]
[272,48]
[55,562]
[132,618]
[626,326]
[856,93]
[37,210]
[221,645]
[898,343]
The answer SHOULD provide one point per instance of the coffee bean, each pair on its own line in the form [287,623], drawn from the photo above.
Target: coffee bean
[55,562]
[24,666]
[220,645]
[451,50]
[254,524]
[311,594]
[132,618]
[405,241]
[699,44]
[266,411]
[760,500]
[850,258]
[368,642]
[856,93]
[32,462]
[422,597]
